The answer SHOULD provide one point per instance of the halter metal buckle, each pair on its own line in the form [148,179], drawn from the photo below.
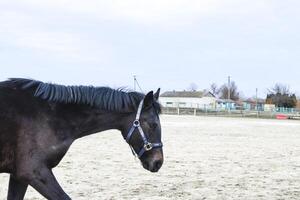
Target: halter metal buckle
[148,146]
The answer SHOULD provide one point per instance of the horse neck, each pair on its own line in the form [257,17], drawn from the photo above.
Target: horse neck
[95,121]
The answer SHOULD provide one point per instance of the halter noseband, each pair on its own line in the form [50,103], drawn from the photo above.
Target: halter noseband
[136,125]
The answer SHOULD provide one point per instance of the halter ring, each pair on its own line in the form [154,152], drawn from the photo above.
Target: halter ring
[148,146]
[136,123]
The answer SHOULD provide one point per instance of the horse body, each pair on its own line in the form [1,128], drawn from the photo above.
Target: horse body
[24,129]
[37,131]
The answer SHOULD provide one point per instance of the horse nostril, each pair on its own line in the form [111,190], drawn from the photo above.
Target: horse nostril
[146,165]
[158,164]
[153,166]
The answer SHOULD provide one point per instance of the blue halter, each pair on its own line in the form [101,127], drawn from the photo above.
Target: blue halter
[136,125]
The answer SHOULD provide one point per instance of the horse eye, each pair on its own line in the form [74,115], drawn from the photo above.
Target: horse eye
[153,125]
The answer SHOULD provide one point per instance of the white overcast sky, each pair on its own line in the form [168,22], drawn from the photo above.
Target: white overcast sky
[166,43]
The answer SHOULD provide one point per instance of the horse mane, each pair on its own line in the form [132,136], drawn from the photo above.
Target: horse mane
[106,98]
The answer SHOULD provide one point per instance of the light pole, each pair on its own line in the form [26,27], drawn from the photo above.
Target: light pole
[228,94]
[134,82]
[256,101]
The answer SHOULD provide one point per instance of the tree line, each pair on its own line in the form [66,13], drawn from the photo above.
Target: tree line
[280,94]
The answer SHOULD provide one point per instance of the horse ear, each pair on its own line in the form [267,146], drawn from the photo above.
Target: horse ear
[149,99]
[156,94]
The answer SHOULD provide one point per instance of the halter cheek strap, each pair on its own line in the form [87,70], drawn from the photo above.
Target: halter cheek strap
[147,146]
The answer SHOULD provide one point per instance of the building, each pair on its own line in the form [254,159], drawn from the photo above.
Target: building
[270,107]
[254,104]
[188,99]
[225,104]
[298,105]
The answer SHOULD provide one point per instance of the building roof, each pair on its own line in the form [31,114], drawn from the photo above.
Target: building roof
[191,94]
[251,100]
[225,101]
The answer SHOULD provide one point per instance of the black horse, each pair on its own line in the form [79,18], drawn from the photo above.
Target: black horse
[39,122]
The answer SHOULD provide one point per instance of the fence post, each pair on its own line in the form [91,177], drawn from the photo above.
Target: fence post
[178,111]
[195,111]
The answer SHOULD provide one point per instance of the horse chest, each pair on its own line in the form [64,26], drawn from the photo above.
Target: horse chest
[56,152]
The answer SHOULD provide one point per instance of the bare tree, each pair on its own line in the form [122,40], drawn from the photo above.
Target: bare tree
[214,89]
[281,96]
[234,94]
[279,89]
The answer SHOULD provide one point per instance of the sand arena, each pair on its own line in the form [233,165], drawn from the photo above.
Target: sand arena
[205,158]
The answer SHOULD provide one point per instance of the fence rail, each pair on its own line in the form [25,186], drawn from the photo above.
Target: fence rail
[230,113]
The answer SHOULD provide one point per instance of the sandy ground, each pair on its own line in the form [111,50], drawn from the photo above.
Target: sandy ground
[205,158]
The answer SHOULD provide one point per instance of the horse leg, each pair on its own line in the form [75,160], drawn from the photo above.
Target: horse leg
[16,189]
[46,184]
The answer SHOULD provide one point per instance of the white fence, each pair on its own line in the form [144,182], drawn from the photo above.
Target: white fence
[229,113]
